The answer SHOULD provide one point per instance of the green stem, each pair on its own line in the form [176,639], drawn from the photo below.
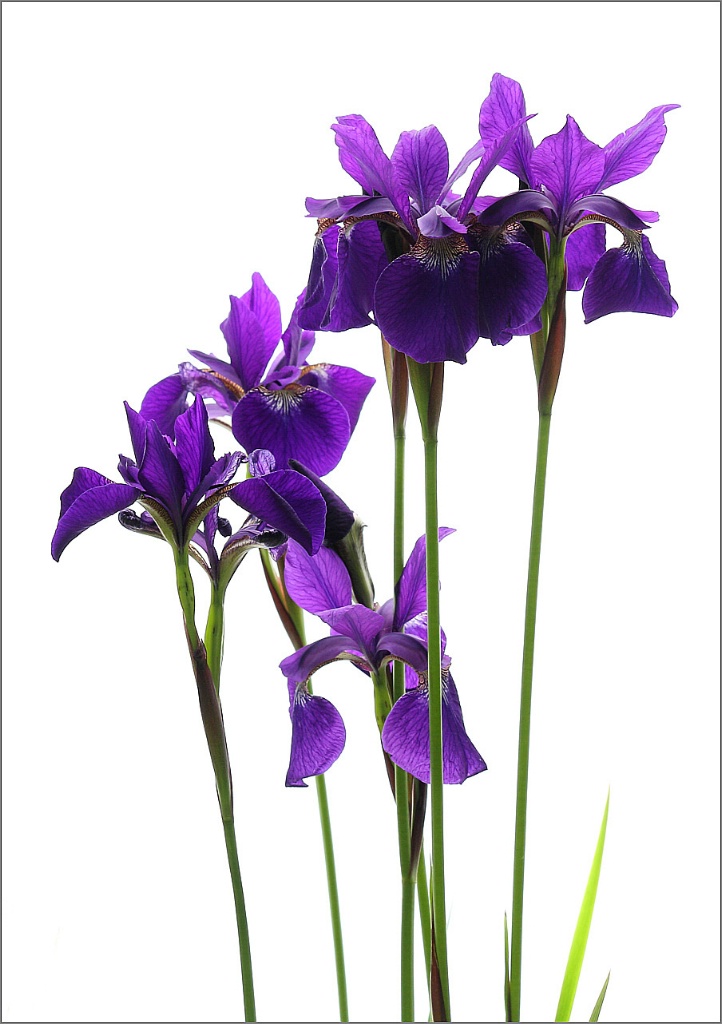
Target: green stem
[249,1002]
[435,727]
[214,634]
[292,618]
[212,717]
[527,672]
[422,886]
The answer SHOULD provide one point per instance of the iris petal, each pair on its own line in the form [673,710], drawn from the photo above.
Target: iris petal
[89,498]
[629,279]
[426,301]
[318,737]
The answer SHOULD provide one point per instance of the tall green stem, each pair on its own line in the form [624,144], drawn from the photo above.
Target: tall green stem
[292,618]
[435,727]
[212,716]
[527,672]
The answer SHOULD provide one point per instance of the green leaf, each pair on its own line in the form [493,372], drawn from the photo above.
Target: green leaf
[598,1005]
[581,932]
[507,976]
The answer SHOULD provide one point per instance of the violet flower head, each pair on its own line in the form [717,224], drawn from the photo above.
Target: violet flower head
[402,251]
[370,639]
[566,175]
[179,483]
[296,410]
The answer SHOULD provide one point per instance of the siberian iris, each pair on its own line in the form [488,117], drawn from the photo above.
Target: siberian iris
[402,251]
[370,639]
[566,175]
[179,482]
[296,410]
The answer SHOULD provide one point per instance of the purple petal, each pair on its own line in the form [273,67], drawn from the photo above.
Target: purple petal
[633,151]
[294,423]
[515,206]
[248,347]
[300,666]
[89,498]
[266,308]
[346,206]
[411,587]
[321,281]
[512,289]
[297,343]
[405,736]
[347,386]
[339,517]
[620,214]
[194,444]
[494,151]
[629,279]
[318,737]
[344,271]
[426,301]
[568,165]
[165,402]
[584,247]
[261,462]
[288,502]
[319,583]
[160,474]
[503,107]
[359,624]
[438,223]
[363,158]
[406,648]
[219,366]
[420,162]
[137,425]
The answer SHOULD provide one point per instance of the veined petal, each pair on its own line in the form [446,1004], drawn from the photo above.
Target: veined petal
[629,279]
[360,624]
[568,165]
[512,288]
[318,737]
[339,517]
[296,422]
[300,666]
[297,343]
[634,150]
[218,366]
[160,474]
[420,162]
[320,290]
[348,386]
[405,736]
[288,502]
[426,301]
[194,444]
[361,260]
[515,206]
[583,249]
[319,583]
[89,498]
[409,649]
[266,308]
[411,587]
[165,402]
[621,215]
[137,424]
[248,347]
[363,158]
[494,151]
[503,107]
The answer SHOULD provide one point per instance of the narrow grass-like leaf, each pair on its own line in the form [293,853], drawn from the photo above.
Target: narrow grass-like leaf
[581,932]
[598,1005]
[507,978]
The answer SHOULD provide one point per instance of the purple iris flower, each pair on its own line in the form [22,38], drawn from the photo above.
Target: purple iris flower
[566,175]
[403,252]
[370,639]
[180,482]
[295,410]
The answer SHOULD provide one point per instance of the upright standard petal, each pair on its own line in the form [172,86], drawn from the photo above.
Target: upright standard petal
[248,346]
[89,498]
[165,402]
[295,422]
[266,308]
[504,107]
[318,737]
[568,166]
[426,301]
[161,476]
[634,150]
[194,444]
[319,583]
[411,587]
[629,279]
[420,162]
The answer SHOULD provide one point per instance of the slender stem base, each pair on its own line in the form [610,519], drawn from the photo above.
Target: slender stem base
[527,672]
[249,1002]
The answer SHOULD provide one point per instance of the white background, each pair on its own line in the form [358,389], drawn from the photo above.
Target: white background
[156,155]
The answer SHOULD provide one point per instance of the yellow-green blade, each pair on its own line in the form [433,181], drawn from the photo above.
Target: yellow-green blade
[598,1005]
[581,932]
[507,977]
